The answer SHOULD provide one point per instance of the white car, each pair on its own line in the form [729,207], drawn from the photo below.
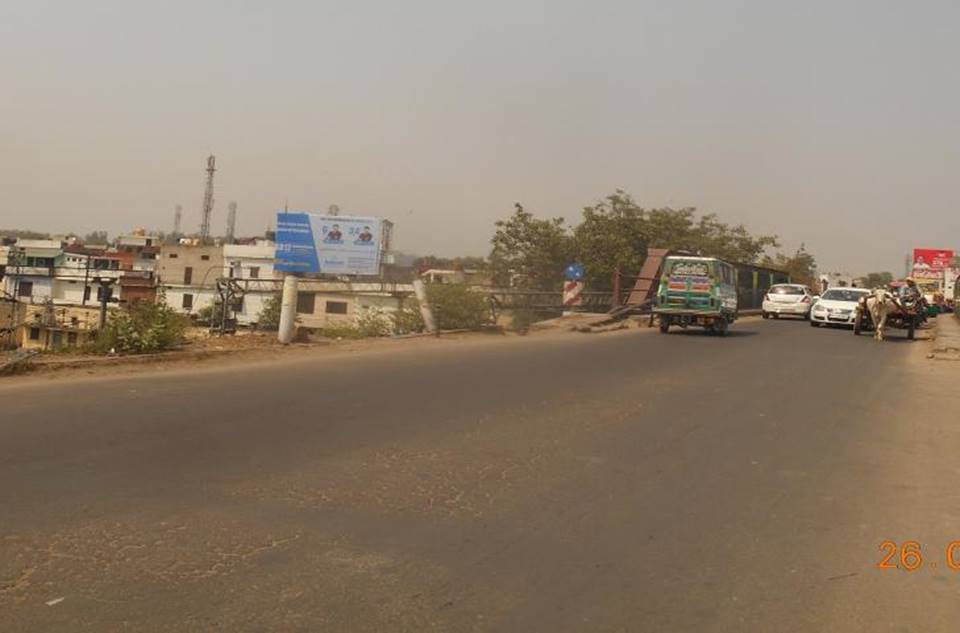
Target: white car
[837,306]
[787,299]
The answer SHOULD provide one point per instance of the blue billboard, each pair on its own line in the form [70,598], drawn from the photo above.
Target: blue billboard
[330,244]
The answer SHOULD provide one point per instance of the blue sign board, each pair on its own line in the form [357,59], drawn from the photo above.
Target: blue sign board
[331,244]
[574,272]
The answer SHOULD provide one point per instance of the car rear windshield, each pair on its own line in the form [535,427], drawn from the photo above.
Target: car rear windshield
[842,295]
[786,290]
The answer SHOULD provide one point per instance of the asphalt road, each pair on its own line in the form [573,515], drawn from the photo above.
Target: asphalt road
[620,482]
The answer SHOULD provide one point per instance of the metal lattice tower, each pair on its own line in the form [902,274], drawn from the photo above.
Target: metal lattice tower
[231,221]
[177,218]
[208,200]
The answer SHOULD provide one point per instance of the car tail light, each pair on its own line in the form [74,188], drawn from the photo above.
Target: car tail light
[766,297]
[805,299]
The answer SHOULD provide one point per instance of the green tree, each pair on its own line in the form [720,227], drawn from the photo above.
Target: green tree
[96,237]
[450,263]
[24,234]
[530,251]
[875,280]
[617,232]
[801,266]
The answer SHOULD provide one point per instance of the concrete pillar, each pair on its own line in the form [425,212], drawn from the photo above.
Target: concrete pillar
[421,291]
[288,309]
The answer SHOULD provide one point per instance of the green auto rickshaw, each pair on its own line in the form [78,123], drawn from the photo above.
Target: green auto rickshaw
[697,291]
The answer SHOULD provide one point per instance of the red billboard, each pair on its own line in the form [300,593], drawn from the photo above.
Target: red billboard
[931,262]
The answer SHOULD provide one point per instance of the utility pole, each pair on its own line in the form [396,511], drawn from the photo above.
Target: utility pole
[106,285]
[86,279]
[288,309]
[420,290]
[177,219]
[208,200]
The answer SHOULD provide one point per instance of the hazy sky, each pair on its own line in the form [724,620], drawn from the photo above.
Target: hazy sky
[833,123]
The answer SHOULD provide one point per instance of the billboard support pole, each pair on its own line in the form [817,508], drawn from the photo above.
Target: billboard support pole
[288,309]
[421,291]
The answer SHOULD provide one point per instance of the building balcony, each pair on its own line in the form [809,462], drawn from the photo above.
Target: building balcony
[29,271]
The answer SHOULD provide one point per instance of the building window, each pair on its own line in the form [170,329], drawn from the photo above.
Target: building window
[74,321]
[26,289]
[172,255]
[34,334]
[187,302]
[305,302]
[205,258]
[336,307]
[71,338]
[100,290]
[254,272]
[188,275]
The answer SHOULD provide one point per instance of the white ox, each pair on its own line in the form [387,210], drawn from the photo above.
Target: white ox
[879,305]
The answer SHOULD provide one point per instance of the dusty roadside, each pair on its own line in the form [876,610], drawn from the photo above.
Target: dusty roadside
[215,354]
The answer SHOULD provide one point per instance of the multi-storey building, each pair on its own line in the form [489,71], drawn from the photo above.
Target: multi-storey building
[187,275]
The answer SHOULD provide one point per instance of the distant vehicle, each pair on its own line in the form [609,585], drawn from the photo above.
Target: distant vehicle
[787,299]
[837,306]
[699,291]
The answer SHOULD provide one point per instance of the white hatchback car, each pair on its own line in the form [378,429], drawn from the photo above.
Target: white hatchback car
[784,299]
[837,306]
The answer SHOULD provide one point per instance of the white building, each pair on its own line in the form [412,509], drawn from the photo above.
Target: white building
[252,266]
[28,275]
[323,304]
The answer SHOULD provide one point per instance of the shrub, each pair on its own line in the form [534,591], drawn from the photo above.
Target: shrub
[269,317]
[456,307]
[370,323]
[144,327]
[521,320]
[408,319]
[210,314]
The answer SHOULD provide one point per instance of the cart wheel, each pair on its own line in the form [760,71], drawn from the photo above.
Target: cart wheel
[858,323]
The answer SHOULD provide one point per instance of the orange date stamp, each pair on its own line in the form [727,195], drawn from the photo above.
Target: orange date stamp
[908,556]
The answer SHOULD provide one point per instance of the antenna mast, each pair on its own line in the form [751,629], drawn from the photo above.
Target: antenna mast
[208,200]
[231,221]
[177,217]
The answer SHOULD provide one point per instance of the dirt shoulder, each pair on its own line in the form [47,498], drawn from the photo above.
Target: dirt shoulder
[218,353]
[204,352]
